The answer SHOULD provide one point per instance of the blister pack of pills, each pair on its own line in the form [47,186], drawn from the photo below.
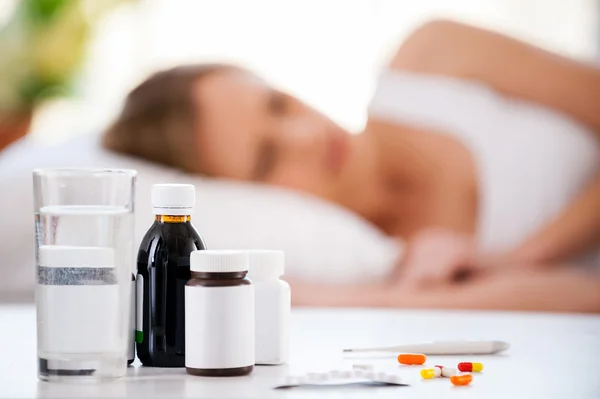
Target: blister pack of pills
[359,376]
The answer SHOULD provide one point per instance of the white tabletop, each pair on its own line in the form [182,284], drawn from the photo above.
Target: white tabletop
[551,356]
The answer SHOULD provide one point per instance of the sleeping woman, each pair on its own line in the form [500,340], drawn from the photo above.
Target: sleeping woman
[499,205]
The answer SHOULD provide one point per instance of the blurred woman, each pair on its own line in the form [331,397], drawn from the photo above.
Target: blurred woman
[440,191]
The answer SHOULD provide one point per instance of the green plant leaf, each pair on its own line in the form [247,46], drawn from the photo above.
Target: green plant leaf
[43,11]
[35,90]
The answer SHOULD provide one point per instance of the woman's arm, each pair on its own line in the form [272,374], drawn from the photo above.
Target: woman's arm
[511,67]
[522,289]
[523,71]
[574,231]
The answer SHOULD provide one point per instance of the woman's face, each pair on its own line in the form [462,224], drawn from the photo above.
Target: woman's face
[249,131]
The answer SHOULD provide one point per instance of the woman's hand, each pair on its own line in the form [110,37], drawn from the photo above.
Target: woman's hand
[438,255]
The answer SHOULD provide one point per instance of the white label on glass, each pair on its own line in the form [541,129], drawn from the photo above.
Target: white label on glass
[78,319]
[139,323]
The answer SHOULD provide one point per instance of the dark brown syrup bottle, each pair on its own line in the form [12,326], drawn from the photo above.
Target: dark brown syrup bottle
[163,266]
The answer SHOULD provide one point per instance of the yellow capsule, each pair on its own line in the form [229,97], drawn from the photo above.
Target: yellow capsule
[428,374]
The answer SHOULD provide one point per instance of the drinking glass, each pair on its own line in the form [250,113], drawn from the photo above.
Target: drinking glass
[84,267]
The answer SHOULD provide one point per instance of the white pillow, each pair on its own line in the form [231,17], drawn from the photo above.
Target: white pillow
[322,241]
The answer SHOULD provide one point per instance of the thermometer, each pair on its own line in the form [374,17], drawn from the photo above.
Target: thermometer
[442,348]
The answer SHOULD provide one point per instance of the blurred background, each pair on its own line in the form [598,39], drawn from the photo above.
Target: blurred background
[65,65]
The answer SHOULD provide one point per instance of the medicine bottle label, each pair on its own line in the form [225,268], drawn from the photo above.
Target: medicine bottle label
[139,321]
[219,327]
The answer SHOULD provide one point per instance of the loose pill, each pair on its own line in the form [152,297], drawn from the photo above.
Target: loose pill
[446,371]
[437,370]
[463,379]
[428,374]
[411,358]
[449,372]
[470,367]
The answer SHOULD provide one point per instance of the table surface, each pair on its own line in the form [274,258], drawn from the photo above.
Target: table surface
[551,356]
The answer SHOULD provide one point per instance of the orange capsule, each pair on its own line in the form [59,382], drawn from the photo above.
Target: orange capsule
[411,358]
[463,379]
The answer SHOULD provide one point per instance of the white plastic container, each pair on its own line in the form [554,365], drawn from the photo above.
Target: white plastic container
[272,306]
[219,315]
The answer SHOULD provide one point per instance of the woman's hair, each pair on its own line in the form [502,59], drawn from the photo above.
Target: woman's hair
[157,122]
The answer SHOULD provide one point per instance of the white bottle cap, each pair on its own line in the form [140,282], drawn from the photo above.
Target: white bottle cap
[71,256]
[218,261]
[173,199]
[266,263]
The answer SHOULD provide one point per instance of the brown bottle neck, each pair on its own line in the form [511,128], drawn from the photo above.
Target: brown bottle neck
[219,276]
[173,218]
[233,279]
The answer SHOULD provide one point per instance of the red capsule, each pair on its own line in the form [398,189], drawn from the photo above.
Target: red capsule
[470,367]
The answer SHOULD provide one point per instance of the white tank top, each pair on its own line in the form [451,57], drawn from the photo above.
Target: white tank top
[531,161]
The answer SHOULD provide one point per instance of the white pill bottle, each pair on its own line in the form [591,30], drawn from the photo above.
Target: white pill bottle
[219,315]
[272,306]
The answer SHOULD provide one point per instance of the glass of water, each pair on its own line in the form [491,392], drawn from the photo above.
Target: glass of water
[84,265]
